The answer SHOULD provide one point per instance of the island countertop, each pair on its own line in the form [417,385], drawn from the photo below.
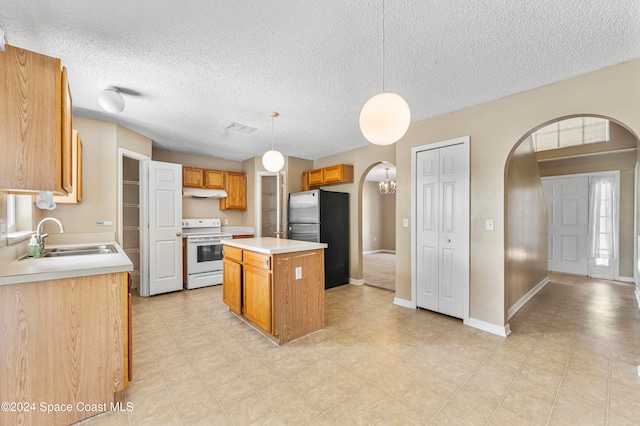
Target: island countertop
[51,268]
[270,245]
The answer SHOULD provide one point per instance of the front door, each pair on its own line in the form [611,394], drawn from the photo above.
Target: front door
[568,208]
[441,232]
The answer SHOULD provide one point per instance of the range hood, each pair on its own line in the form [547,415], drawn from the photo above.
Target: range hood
[204,193]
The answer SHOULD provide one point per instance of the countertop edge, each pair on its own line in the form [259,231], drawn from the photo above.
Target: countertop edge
[266,245]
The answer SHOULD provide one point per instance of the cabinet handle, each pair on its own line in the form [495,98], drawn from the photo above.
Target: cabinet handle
[266,261]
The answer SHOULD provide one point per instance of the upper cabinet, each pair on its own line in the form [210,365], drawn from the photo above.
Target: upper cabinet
[236,186]
[75,196]
[339,173]
[214,179]
[194,177]
[36,135]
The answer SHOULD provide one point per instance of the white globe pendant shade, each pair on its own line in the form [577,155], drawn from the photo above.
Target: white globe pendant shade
[111,101]
[385,118]
[273,161]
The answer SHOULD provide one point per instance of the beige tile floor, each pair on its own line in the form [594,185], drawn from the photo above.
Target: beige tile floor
[571,359]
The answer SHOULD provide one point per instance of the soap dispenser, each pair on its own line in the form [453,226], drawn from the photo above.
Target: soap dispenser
[33,249]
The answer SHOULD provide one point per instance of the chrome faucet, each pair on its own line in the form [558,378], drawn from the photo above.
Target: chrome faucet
[40,236]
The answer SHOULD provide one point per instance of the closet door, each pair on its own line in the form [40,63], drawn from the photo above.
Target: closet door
[441,240]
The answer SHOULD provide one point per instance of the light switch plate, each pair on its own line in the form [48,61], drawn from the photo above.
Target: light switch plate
[405,223]
[489,225]
[299,273]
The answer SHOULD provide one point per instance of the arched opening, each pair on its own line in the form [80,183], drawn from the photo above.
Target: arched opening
[378,234]
[533,248]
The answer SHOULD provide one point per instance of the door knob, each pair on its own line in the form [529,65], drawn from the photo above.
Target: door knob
[178,234]
[448,240]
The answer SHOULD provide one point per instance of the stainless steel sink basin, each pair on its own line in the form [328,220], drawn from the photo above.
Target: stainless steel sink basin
[78,251]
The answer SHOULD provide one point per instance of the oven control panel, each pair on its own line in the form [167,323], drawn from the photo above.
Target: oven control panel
[201,223]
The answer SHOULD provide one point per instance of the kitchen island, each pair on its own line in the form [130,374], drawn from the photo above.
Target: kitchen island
[64,327]
[275,284]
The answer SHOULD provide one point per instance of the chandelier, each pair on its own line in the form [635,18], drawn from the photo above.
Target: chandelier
[386,186]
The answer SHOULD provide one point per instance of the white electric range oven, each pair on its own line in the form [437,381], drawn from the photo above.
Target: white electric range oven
[203,251]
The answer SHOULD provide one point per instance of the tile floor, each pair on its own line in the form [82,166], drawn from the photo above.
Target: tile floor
[571,359]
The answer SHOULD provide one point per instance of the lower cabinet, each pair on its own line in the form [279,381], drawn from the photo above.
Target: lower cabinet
[257,297]
[232,285]
[64,341]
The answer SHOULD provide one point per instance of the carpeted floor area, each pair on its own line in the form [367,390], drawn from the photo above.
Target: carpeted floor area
[379,270]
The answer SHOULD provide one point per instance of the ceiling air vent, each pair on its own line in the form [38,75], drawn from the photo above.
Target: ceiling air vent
[236,127]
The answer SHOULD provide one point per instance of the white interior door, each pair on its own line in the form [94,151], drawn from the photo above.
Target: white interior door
[568,208]
[165,227]
[442,232]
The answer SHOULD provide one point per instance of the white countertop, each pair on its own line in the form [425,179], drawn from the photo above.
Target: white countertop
[53,268]
[269,245]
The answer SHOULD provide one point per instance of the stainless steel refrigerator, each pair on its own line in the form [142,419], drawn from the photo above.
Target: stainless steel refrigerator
[323,216]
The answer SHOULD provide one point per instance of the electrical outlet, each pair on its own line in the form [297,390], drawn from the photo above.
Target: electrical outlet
[226,221]
[299,273]
[375,239]
[405,223]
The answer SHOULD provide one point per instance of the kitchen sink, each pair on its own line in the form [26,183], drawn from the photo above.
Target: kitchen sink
[78,251]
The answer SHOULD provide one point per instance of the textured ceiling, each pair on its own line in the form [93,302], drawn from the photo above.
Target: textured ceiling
[189,69]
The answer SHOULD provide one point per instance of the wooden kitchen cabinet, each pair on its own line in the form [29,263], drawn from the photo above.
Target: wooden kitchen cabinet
[196,177]
[214,179]
[36,135]
[232,278]
[192,177]
[339,173]
[305,181]
[75,196]
[257,296]
[236,186]
[316,177]
[70,339]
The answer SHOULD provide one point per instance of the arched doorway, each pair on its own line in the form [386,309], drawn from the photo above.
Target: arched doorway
[530,242]
[378,226]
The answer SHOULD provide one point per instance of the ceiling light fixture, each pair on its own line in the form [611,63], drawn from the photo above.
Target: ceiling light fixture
[387,187]
[111,100]
[385,117]
[272,160]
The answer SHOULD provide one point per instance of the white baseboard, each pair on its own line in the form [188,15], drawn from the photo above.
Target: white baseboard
[638,295]
[625,279]
[356,282]
[403,302]
[379,251]
[491,328]
[524,299]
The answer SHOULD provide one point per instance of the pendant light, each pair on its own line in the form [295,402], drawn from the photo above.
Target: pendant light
[386,186]
[385,117]
[272,160]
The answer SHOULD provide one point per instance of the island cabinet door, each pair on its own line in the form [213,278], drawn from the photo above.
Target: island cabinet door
[232,285]
[257,297]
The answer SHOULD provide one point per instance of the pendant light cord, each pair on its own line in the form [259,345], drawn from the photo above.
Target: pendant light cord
[273,133]
[382,46]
